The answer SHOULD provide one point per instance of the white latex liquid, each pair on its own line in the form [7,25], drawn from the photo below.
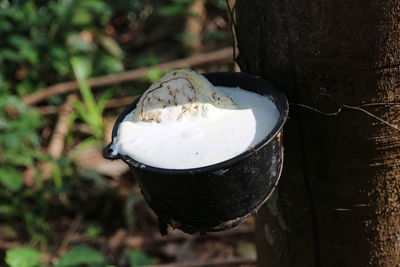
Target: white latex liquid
[198,141]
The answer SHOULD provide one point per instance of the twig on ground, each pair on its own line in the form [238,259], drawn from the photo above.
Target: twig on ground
[56,145]
[68,235]
[120,102]
[192,61]
[112,103]
[48,110]
[5,245]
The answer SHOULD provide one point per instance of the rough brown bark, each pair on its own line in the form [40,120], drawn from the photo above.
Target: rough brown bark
[339,198]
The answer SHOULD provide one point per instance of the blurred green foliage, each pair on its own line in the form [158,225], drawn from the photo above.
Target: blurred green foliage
[221,4]
[89,110]
[82,255]
[93,232]
[19,145]
[40,37]
[43,42]
[175,7]
[18,141]
[22,257]
[138,258]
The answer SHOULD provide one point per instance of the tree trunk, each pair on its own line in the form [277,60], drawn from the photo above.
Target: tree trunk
[338,203]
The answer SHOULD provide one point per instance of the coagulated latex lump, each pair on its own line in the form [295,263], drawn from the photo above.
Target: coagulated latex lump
[178,94]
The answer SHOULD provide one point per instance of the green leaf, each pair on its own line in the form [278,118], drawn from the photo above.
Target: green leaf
[5,25]
[111,46]
[30,54]
[221,4]
[81,18]
[61,68]
[7,209]
[19,158]
[93,232]
[22,257]
[171,10]
[93,116]
[11,55]
[25,47]
[110,64]
[100,10]
[138,258]
[103,99]
[95,5]
[80,108]
[3,124]
[82,255]
[10,178]
[59,56]
[82,67]
[19,41]
[57,175]
[25,86]
[66,8]
[59,52]
[184,37]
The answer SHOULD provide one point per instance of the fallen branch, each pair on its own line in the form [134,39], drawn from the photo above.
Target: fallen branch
[56,145]
[120,102]
[112,103]
[131,75]
[5,245]
[73,226]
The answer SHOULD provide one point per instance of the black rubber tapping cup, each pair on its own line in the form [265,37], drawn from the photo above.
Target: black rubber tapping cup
[220,196]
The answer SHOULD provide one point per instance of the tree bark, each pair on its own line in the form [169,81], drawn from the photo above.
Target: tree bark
[338,203]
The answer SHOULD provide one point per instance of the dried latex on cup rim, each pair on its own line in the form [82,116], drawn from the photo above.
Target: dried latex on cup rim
[179,94]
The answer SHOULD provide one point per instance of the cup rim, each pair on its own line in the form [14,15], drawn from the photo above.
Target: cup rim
[284,111]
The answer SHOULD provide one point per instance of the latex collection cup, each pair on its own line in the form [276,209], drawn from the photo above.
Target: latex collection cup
[221,195]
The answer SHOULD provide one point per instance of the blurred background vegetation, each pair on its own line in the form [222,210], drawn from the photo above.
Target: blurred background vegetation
[61,204]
